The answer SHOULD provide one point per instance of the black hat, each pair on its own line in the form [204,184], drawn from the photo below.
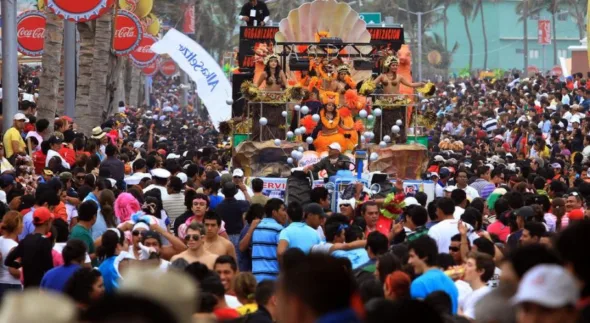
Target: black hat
[314,208]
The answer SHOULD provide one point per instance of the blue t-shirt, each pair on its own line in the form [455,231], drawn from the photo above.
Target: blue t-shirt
[265,239]
[300,235]
[56,278]
[214,200]
[357,257]
[434,280]
[110,275]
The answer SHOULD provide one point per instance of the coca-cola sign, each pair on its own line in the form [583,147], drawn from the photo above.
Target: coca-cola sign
[150,69]
[128,33]
[188,24]
[168,68]
[31,32]
[143,56]
[79,11]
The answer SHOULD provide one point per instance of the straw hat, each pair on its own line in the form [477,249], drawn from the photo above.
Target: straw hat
[97,133]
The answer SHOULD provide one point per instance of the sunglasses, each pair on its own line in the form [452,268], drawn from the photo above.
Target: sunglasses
[571,194]
[190,237]
[454,249]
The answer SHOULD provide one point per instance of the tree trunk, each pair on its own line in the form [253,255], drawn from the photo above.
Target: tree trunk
[61,88]
[85,58]
[100,66]
[554,38]
[128,80]
[53,43]
[445,24]
[470,42]
[134,97]
[485,37]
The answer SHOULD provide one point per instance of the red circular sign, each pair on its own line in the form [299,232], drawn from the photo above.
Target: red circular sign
[30,35]
[532,69]
[128,33]
[151,69]
[168,68]
[79,11]
[557,70]
[142,56]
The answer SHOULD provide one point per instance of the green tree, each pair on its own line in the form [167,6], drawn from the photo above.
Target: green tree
[466,7]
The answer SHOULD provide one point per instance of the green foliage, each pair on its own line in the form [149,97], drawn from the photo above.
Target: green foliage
[465,72]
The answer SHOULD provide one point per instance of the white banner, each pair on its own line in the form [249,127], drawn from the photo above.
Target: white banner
[212,85]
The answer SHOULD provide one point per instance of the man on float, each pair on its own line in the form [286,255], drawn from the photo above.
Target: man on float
[331,163]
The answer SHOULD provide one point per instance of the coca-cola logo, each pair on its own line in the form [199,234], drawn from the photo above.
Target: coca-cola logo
[151,69]
[79,11]
[30,34]
[128,33]
[168,68]
[142,56]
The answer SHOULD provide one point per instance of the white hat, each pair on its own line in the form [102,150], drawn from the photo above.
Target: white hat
[183,177]
[549,286]
[411,201]
[172,156]
[439,158]
[238,173]
[490,166]
[20,116]
[575,119]
[97,133]
[351,201]
[138,144]
[509,155]
[160,173]
[335,146]
[450,188]
[434,174]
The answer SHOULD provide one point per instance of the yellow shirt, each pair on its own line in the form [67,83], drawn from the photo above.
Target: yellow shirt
[247,309]
[11,135]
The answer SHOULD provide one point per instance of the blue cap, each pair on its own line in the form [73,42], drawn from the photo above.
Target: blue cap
[6,180]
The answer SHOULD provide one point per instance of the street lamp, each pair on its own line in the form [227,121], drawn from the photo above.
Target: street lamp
[419,16]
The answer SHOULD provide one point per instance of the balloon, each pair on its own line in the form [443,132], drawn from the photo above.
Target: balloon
[382,144]
[229,101]
[284,114]
[297,132]
[289,160]
[374,156]
[297,107]
[277,142]
[363,139]
[300,149]
[395,129]
[304,109]
[303,130]
[363,114]
[309,140]
[263,121]
[294,154]
[386,138]
[377,112]
[370,117]
[290,134]
[399,122]
[315,117]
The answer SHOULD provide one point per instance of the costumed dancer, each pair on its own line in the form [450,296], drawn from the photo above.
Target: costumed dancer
[348,127]
[273,77]
[391,80]
[329,123]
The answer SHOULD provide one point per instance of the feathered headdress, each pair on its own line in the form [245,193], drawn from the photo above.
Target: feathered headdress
[330,97]
[269,57]
[392,59]
[343,68]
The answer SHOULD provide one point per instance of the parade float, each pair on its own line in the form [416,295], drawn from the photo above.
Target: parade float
[312,81]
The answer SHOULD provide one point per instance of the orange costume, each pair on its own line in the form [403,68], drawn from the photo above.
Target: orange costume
[405,69]
[330,122]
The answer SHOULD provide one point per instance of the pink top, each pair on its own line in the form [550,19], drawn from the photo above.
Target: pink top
[500,230]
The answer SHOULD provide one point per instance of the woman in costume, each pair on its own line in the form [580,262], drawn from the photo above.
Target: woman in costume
[391,80]
[273,76]
[329,123]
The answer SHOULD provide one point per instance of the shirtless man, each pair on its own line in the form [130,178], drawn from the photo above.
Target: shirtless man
[213,242]
[196,252]
[390,80]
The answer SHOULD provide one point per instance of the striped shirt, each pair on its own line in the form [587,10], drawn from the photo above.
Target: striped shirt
[174,205]
[483,187]
[265,240]
[489,126]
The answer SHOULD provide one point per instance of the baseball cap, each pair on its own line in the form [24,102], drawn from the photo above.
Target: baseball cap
[434,174]
[450,188]
[42,215]
[314,208]
[549,286]
[439,158]
[161,151]
[576,214]
[183,177]
[335,146]
[555,165]
[351,202]
[411,201]
[526,212]
[151,235]
[160,173]
[499,137]
[20,116]
[137,144]
[238,173]
[509,155]
[6,180]
[54,140]
[65,176]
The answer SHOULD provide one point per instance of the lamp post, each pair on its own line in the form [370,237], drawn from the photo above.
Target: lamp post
[419,16]
[9,63]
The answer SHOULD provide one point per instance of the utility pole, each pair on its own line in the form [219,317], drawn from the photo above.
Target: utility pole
[526,35]
[9,63]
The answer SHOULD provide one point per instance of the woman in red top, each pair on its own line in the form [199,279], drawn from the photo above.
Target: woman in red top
[39,158]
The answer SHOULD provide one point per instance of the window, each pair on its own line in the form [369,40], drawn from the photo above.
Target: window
[562,53]
[533,53]
[562,16]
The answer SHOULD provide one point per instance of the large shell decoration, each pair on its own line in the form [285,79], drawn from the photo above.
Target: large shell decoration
[336,18]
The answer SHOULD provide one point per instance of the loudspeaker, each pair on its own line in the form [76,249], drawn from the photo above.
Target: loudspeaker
[238,107]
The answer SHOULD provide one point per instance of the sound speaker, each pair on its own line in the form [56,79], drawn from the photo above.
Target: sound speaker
[238,107]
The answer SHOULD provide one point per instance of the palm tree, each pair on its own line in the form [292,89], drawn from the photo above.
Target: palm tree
[536,8]
[466,7]
[479,9]
[53,43]
[85,57]
[578,9]
[445,4]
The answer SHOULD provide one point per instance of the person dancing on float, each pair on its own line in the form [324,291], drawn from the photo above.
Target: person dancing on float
[391,80]
[273,77]
[329,123]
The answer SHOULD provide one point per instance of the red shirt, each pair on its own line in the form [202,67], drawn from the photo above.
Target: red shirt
[226,314]
[39,161]
[500,230]
[68,154]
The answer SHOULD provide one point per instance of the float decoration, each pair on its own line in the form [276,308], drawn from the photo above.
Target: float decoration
[128,33]
[143,55]
[168,68]
[78,11]
[31,32]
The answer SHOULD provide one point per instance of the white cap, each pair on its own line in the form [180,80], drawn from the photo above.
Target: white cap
[411,201]
[238,173]
[160,173]
[439,158]
[434,174]
[335,146]
[172,156]
[549,286]
[351,201]
[509,155]
[450,188]
[138,144]
[20,116]
[490,166]
[183,177]
[575,119]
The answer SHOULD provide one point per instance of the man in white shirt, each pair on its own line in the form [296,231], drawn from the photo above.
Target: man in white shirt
[41,126]
[461,183]
[54,146]
[478,270]
[443,231]
[238,179]
[160,177]
[459,197]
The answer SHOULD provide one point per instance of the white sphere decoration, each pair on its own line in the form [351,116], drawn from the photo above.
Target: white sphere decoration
[297,107]
[300,149]
[229,101]
[363,139]
[382,144]
[289,134]
[294,154]
[297,132]
[304,109]
[399,122]
[370,117]
[395,129]
[315,117]
[289,160]
[363,114]
[303,130]
[377,112]
[374,156]
[386,138]
[309,140]
[284,114]
[277,142]
[263,121]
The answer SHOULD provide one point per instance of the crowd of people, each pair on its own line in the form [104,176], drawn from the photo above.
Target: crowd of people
[151,189]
